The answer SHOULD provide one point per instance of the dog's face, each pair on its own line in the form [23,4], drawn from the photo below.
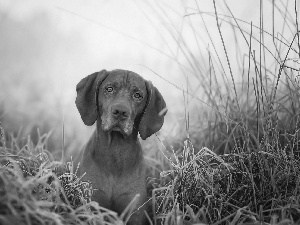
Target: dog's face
[123,101]
[122,97]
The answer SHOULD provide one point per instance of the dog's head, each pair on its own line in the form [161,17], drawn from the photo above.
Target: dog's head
[123,100]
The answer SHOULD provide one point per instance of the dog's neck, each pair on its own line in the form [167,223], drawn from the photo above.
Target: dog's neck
[114,150]
[109,139]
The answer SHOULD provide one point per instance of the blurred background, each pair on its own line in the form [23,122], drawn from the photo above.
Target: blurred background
[47,47]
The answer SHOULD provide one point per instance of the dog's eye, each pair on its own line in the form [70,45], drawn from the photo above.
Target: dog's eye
[138,95]
[109,89]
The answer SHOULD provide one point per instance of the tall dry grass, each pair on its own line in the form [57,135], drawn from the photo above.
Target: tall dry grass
[249,171]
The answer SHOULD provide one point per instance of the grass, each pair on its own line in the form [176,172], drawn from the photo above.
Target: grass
[248,173]
[252,123]
[36,189]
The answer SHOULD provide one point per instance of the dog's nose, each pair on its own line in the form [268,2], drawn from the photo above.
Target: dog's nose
[120,111]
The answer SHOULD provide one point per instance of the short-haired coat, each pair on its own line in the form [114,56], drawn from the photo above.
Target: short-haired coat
[123,104]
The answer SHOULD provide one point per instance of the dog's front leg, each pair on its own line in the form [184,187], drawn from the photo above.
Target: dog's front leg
[101,197]
[138,217]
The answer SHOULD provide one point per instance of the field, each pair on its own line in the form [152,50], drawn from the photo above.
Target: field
[234,159]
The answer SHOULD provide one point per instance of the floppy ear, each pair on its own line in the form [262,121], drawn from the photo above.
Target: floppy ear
[86,100]
[154,112]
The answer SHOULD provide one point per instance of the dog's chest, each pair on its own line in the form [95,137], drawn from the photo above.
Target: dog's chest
[111,173]
[113,161]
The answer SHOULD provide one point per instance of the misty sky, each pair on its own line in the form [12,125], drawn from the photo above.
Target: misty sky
[46,47]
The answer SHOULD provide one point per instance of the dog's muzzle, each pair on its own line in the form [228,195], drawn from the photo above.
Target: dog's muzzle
[118,118]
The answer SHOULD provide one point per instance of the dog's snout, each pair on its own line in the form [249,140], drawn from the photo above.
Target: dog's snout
[120,111]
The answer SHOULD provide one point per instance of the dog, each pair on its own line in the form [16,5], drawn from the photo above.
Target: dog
[122,104]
